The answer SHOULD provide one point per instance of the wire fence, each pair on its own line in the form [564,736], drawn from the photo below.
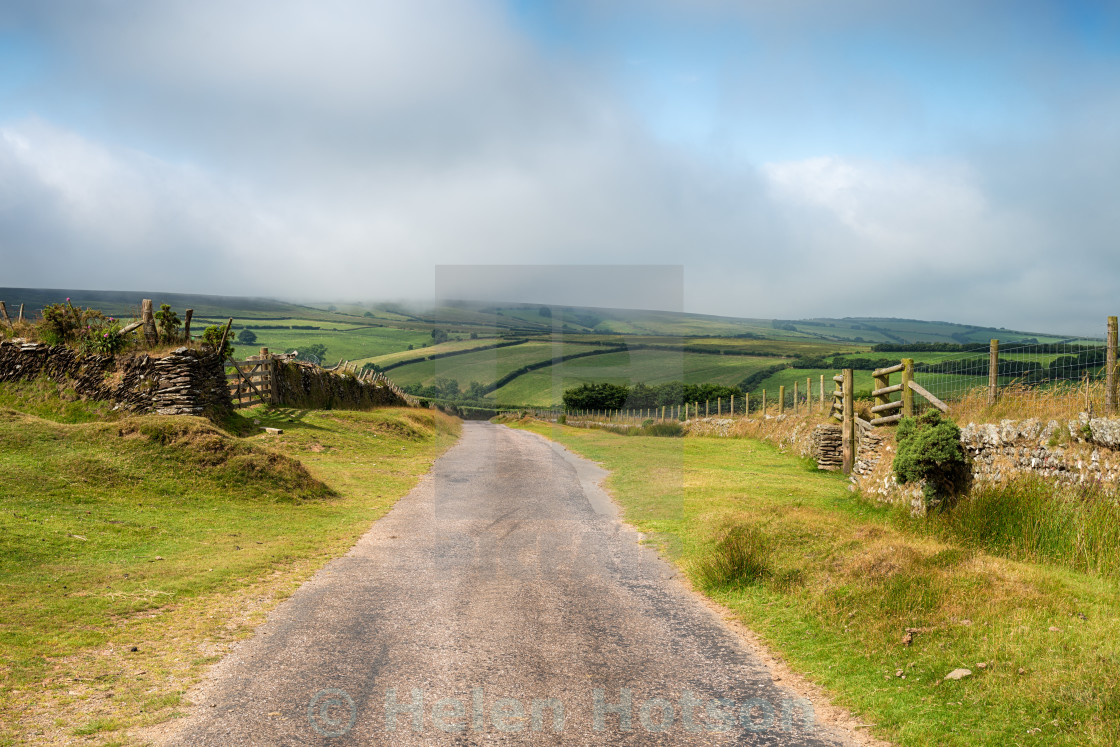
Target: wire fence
[1052,380]
[1058,380]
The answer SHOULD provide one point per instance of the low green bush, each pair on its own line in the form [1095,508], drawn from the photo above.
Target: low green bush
[930,451]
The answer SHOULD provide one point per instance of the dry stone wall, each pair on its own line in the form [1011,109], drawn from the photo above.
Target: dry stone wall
[308,386]
[1074,452]
[1085,451]
[184,382]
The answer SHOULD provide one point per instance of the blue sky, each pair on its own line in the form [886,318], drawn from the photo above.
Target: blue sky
[350,148]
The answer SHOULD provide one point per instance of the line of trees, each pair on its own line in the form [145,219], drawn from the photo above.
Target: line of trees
[606,396]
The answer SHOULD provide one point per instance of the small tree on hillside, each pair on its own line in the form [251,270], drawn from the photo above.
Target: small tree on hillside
[247,337]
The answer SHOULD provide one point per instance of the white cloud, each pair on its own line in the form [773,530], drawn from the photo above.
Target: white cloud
[346,148]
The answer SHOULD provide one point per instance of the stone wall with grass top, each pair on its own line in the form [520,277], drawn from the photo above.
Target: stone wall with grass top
[1084,452]
[182,382]
[308,386]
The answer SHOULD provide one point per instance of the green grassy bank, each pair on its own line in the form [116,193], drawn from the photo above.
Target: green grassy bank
[871,605]
[134,552]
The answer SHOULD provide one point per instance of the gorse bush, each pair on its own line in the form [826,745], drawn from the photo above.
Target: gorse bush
[64,323]
[929,450]
[88,330]
[168,322]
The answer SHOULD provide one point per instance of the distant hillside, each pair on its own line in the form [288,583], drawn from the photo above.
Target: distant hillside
[125,303]
[521,319]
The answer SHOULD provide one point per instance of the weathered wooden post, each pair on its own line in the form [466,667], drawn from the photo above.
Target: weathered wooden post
[719,407]
[8,319]
[746,404]
[763,404]
[907,392]
[795,396]
[273,378]
[993,371]
[20,318]
[732,405]
[881,380]
[707,408]
[822,393]
[148,318]
[225,336]
[848,425]
[187,324]
[1110,403]
[781,399]
[808,395]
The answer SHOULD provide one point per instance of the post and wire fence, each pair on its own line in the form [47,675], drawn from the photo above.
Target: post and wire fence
[1051,380]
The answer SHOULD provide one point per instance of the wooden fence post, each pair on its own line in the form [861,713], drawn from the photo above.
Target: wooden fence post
[907,392]
[822,393]
[882,381]
[1110,404]
[20,318]
[225,336]
[795,396]
[848,425]
[8,319]
[781,399]
[187,324]
[746,404]
[719,407]
[732,405]
[151,336]
[808,395]
[993,371]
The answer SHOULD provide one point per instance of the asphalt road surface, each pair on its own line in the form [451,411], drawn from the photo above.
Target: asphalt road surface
[500,602]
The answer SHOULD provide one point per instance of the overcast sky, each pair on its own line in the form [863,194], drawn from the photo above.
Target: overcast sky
[939,160]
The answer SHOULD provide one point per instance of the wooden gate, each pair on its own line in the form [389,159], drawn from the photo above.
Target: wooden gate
[250,381]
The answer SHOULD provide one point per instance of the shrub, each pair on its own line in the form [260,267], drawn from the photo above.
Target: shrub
[247,337]
[105,337]
[212,336]
[168,322]
[600,396]
[929,449]
[64,323]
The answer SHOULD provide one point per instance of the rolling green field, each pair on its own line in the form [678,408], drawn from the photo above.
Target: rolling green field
[349,344]
[484,366]
[538,388]
[419,354]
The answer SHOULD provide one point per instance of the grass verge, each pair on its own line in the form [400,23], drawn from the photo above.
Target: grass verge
[869,608]
[133,553]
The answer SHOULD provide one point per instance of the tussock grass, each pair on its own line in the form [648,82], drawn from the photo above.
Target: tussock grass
[1033,520]
[1020,402]
[740,556]
[876,609]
